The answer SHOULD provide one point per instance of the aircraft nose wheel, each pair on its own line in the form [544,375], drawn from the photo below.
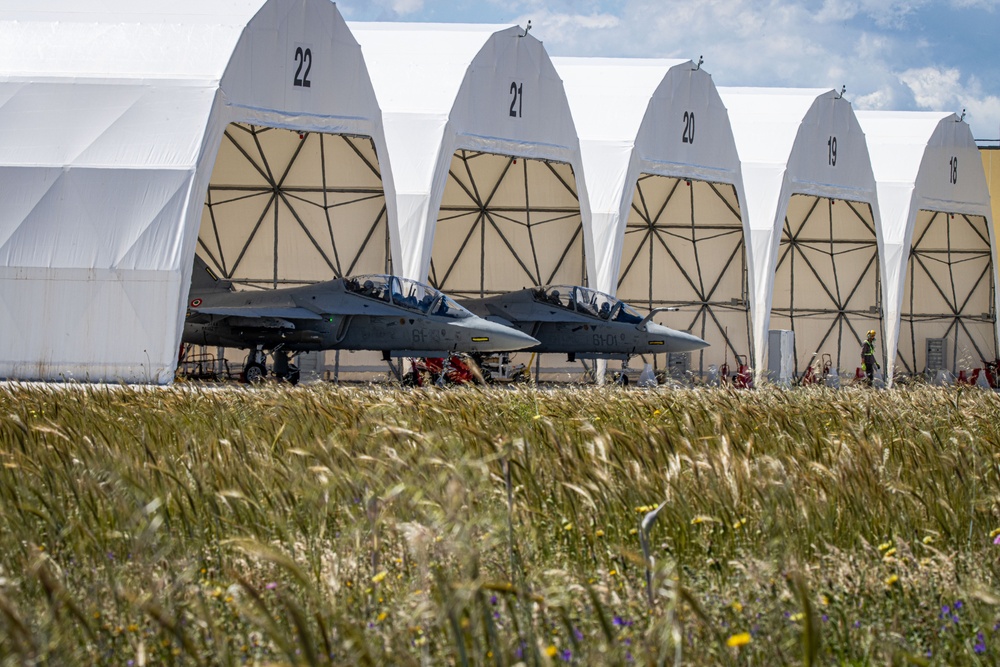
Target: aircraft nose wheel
[255,369]
[254,373]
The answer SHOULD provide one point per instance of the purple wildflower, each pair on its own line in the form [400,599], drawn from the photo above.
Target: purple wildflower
[567,655]
[958,605]
[578,634]
[271,586]
[493,599]
[980,646]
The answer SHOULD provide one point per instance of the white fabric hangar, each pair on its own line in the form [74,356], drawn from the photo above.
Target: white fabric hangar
[111,116]
[485,157]
[665,188]
[814,222]
[939,275]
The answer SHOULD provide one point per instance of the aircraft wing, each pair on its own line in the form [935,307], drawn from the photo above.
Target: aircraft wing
[271,303]
[258,311]
[308,302]
[320,302]
[524,310]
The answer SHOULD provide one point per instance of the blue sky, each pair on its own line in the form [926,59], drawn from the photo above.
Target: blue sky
[941,55]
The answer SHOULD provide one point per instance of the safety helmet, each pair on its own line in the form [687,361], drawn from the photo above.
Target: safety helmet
[871,333]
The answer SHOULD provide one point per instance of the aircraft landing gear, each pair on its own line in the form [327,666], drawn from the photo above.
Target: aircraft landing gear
[621,377]
[255,369]
[282,369]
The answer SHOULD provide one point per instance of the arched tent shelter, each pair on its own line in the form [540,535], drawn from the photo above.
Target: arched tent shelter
[485,156]
[938,271]
[813,218]
[111,116]
[663,177]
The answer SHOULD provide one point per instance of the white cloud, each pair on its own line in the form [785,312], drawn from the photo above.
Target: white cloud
[380,10]
[837,10]
[403,7]
[933,88]
[883,98]
[987,5]
[943,89]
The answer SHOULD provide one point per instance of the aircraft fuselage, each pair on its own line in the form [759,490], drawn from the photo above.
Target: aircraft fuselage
[344,332]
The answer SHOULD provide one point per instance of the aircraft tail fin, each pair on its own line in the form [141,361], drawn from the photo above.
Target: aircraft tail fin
[204,279]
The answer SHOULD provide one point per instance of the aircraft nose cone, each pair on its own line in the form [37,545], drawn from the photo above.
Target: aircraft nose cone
[495,337]
[674,341]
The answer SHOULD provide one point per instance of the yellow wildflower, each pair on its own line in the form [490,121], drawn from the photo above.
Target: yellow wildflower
[737,607]
[891,580]
[599,533]
[741,639]
[930,538]
[551,651]
[795,618]
[379,577]
[612,573]
[381,617]
[994,532]
[884,546]
[568,526]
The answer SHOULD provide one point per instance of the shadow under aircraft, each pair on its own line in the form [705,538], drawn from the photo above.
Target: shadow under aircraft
[583,323]
[396,316]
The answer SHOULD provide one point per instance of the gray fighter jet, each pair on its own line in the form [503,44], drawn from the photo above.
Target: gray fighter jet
[583,323]
[374,312]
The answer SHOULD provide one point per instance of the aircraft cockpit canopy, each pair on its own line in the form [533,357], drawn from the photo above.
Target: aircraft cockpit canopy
[408,294]
[589,302]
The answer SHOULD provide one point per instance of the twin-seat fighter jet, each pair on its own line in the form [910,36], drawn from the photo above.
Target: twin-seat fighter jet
[583,323]
[374,312]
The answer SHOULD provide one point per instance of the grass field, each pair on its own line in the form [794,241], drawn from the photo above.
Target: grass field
[324,525]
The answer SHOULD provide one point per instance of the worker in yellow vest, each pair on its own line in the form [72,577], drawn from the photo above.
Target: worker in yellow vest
[868,363]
